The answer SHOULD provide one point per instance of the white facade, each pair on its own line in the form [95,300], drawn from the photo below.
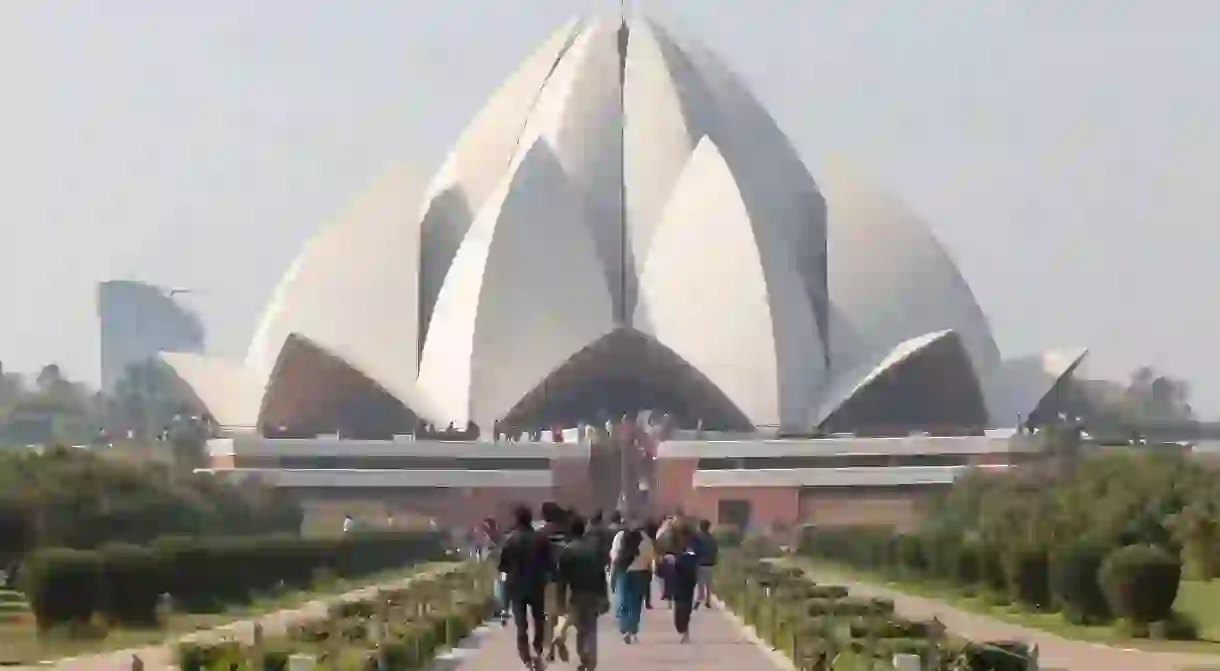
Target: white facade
[889,278]
[619,180]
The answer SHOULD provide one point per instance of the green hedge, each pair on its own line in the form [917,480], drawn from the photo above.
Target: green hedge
[816,626]
[429,614]
[123,583]
[1141,582]
[1088,580]
[1074,582]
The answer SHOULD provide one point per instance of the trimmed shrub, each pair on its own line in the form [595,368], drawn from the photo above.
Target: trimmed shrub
[968,568]
[1140,582]
[1074,573]
[991,569]
[826,592]
[728,535]
[941,550]
[62,585]
[1028,577]
[912,557]
[130,585]
[998,655]
[124,582]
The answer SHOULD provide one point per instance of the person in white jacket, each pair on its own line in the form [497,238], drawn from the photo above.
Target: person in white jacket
[631,558]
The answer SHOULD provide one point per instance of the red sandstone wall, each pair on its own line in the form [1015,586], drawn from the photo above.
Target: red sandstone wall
[451,508]
[572,484]
[671,486]
[770,507]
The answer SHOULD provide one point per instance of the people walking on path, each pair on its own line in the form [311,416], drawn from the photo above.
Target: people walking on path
[631,559]
[603,535]
[684,574]
[650,529]
[612,531]
[582,573]
[709,553]
[556,534]
[489,550]
[525,566]
[664,567]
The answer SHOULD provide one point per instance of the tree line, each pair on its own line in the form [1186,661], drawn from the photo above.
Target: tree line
[1096,535]
[49,408]
[66,497]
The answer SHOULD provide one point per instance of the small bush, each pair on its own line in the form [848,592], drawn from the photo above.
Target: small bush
[968,565]
[130,585]
[1075,588]
[998,655]
[911,557]
[62,585]
[991,569]
[826,592]
[1028,577]
[1140,582]
[941,549]
[728,535]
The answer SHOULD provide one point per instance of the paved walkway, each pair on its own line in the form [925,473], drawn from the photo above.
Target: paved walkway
[1055,652]
[718,644]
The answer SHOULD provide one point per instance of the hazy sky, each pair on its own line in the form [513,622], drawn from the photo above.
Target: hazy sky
[1065,151]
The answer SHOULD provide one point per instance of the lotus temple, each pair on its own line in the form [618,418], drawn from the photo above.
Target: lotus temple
[623,231]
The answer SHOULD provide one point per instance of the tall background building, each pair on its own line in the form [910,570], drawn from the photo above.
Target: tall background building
[137,321]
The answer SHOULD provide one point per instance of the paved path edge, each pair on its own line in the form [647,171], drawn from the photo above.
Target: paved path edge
[467,647]
[778,658]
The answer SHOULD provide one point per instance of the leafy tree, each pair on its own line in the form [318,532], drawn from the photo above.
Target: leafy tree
[146,400]
[76,498]
[1196,527]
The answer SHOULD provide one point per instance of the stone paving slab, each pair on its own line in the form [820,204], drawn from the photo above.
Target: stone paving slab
[718,643]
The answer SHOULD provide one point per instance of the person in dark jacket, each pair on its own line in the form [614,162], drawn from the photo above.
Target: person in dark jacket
[709,553]
[582,573]
[684,576]
[526,565]
[598,532]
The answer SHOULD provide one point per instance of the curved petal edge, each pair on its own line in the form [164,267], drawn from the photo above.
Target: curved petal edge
[523,296]
[706,274]
[1018,386]
[227,390]
[931,373]
[353,290]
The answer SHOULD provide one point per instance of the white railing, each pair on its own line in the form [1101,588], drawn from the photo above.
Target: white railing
[377,478]
[847,476]
[838,447]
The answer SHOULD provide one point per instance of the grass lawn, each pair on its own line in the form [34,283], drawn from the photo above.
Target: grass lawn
[20,642]
[1198,599]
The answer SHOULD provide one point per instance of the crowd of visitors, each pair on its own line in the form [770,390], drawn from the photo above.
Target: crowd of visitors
[563,572]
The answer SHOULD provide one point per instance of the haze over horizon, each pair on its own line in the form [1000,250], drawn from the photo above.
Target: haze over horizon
[1061,155]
